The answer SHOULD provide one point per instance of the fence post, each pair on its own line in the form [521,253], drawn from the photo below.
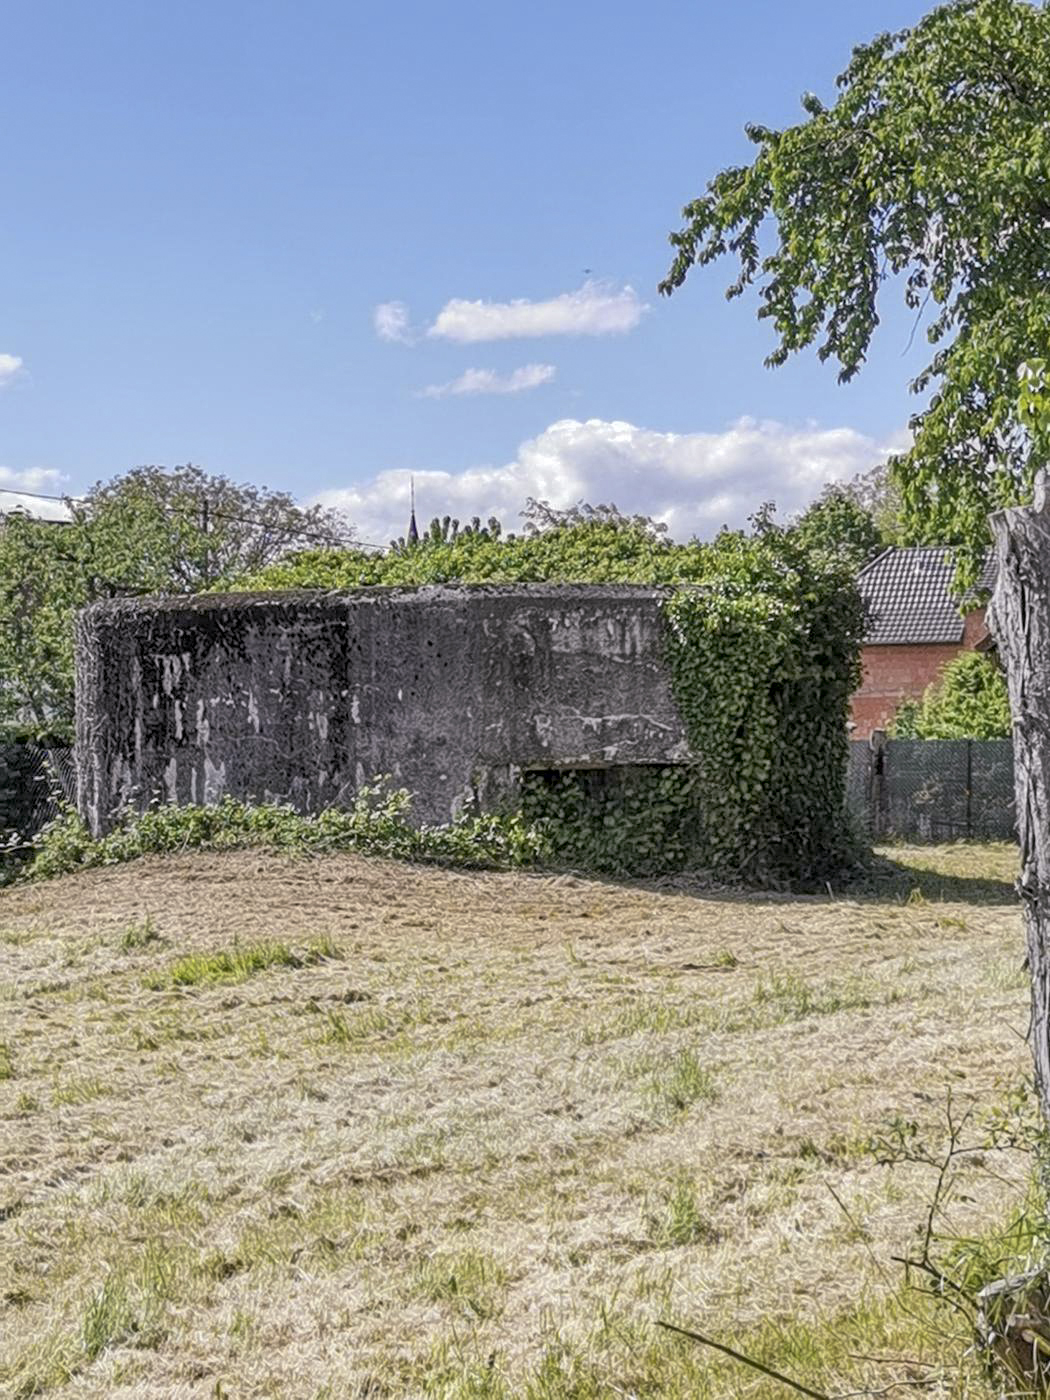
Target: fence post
[877,744]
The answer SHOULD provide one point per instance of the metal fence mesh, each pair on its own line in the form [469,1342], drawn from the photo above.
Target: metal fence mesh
[932,789]
[33,782]
[924,789]
[993,813]
[859,776]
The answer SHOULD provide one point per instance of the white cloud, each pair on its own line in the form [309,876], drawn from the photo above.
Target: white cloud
[390,319]
[487,381]
[695,482]
[43,480]
[9,367]
[594,309]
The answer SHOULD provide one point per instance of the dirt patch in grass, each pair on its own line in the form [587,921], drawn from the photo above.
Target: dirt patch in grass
[344,1127]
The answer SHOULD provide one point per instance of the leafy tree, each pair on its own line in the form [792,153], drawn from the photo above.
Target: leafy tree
[541,515]
[538,517]
[583,553]
[445,530]
[149,531]
[185,531]
[838,525]
[968,701]
[877,494]
[931,171]
[40,588]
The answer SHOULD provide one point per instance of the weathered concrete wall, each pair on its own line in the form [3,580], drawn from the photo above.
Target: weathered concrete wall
[303,697]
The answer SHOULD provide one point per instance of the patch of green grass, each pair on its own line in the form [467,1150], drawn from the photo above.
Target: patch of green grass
[243,1330]
[676,1218]
[159,1204]
[324,948]
[350,1031]
[7,1061]
[78,1091]
[26,1103]
[647,1015]
[951,921]
[139,935]
[43,1366]
[1007,974]
[126,1307]
[471,1280]
[840,1149]
[789,997]
[682,1081]
[237,964]
[892,1343]
[319,1235]
[108,1317]
[17,937]
[976,873]
[453,1370]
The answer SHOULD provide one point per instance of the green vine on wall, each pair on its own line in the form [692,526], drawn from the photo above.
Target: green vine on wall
[630,820]
[762,677]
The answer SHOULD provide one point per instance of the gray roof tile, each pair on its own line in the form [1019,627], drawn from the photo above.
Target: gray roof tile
[909,599]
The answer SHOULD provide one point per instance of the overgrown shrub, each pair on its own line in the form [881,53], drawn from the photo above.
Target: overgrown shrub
[644,820]
[762,641]
[377,825]
[968,701]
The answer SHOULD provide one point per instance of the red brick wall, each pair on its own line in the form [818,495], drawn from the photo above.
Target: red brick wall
[895,673]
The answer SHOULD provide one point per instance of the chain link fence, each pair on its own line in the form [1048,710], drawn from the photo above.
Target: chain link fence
[932,789]
[34,781]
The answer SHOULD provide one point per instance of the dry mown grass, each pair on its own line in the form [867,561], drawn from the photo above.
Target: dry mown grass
[339,1127]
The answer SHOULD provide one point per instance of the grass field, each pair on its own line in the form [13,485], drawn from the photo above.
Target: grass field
[278,1127]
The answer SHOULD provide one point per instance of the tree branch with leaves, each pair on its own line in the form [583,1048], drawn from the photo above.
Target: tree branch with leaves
[152,530]
[929,174]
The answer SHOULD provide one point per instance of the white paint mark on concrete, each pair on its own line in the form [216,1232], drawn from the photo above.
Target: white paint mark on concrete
[171,669]
[214,780]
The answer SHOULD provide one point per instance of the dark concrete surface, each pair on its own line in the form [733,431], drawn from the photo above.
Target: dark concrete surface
[302,697]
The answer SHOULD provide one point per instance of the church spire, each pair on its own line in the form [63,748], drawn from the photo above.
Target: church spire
[413,531]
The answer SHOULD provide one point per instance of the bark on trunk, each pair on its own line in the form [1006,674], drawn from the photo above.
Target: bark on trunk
[1019,619]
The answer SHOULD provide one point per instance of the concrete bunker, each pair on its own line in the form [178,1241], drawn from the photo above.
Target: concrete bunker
[303,697]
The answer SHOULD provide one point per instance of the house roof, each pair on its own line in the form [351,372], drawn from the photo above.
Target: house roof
[908,596]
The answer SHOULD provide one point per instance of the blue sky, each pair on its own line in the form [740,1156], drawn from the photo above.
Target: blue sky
[206,203]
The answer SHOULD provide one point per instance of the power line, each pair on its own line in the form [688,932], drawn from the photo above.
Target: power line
[36,495]
[323,537]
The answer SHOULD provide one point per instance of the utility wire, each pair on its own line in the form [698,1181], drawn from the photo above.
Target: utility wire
[325,538]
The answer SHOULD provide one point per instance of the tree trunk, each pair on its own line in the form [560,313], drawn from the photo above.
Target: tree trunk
[1019,619]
